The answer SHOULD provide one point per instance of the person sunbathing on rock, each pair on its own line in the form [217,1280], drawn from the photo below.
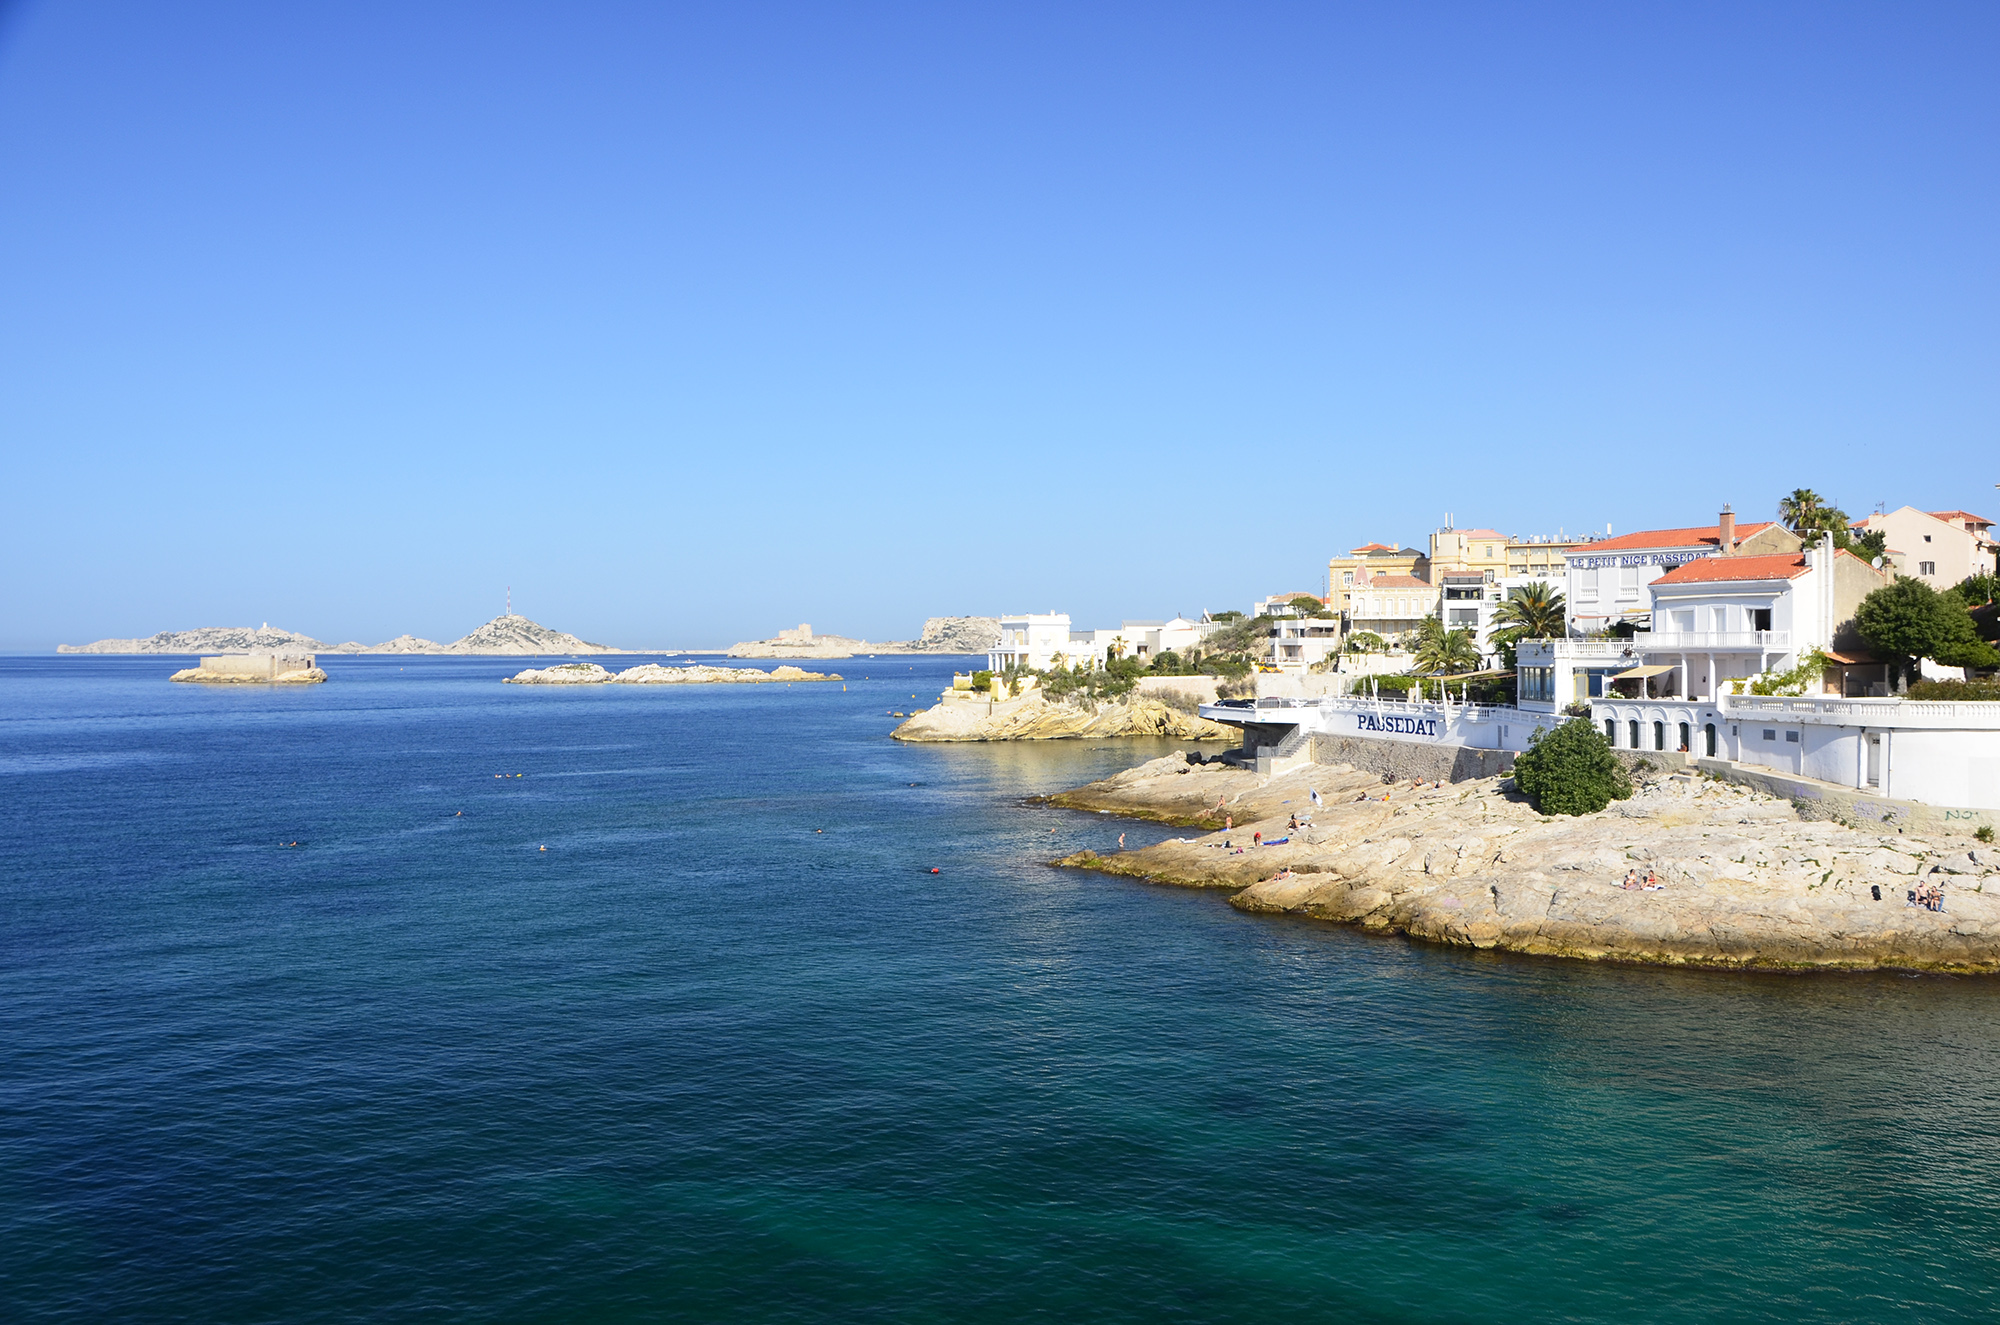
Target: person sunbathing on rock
[1631,879]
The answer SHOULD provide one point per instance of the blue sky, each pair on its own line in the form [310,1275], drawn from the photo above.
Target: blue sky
[690,323]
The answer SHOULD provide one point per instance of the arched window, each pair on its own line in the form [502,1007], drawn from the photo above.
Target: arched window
[1659,736]
[1708,733]
[1684,738]
[1611,731]
[1633,726]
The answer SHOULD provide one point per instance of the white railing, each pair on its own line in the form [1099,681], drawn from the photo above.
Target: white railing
[1697,641]
[1869,712]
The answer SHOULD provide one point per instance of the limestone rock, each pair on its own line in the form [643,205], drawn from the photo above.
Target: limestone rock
[563,674]
[1035,718]
[1745,882]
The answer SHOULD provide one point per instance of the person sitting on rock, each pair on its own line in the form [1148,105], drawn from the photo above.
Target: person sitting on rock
[1631,879]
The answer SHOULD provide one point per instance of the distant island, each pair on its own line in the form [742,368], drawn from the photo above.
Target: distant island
[942,634]
[506,634]
[511,634]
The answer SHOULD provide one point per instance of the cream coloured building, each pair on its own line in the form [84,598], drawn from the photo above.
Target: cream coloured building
[1938,547]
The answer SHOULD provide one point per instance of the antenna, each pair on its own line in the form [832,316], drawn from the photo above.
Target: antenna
[510,600]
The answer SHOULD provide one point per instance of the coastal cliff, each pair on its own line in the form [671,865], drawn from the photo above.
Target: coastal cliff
[965,717]
[1744,882]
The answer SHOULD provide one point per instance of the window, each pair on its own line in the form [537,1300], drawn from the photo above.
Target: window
[1721,615]
[1628,582]
[1659,736]
[1347,577]
[1633,733]
[1793,737]
[1538,683]
[1684,737]
[1464,616]
[1586,585]
[1760,618]
[1708,734]
[1927,567]
[1927,538]
[1770,733]
[1611,731]
[1489,552]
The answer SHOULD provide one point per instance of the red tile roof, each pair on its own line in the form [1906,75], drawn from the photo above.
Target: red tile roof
[1690,537]
[1782,566]
[1958,515]
[1373,547]
[1398,582]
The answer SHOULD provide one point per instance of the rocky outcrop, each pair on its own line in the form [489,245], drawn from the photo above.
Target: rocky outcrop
[1743,882]
[403,644]
[582,673]
[950,634]
[962,717]
[202,676]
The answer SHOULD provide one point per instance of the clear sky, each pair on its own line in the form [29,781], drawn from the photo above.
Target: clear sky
[694,322]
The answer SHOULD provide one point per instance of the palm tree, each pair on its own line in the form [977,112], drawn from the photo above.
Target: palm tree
[1533,611]
[1797,510]
[1441,650]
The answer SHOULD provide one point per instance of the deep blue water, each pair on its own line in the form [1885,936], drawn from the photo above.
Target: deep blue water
[727,1051]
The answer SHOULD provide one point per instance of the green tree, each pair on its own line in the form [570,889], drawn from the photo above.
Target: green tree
[1866,546]
[1571,770]
[1366,641]
[1307,605]
[1910,620]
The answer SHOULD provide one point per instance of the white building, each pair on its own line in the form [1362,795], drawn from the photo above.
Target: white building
[1605,582]
[1297,643]
[1717,619]
[1039,643]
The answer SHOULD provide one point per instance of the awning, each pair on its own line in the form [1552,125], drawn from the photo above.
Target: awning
[1639,671]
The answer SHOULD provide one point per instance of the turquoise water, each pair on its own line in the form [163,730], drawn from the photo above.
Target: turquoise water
[701,1060]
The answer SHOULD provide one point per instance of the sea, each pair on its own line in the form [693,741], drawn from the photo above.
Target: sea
[417,996]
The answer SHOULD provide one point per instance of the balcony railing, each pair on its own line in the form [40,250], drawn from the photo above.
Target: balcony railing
[1715,641]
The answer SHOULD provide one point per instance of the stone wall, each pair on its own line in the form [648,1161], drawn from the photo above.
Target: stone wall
[1410,760]
[266,665]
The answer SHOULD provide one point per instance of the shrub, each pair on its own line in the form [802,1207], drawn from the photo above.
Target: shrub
[1571,770]
[1984,832]
[1960,690]
[982,680]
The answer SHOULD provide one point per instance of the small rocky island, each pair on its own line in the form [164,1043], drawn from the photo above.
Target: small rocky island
[589,674]
[253,669]
[1720,875]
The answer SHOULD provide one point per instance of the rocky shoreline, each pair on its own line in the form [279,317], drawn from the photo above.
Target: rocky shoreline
[1743,882]
[582,673]
[966,716]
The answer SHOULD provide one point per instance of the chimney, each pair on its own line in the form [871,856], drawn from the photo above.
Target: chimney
[1727,542]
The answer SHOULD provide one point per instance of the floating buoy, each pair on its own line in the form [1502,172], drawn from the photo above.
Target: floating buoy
[545,848]
[934,869]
